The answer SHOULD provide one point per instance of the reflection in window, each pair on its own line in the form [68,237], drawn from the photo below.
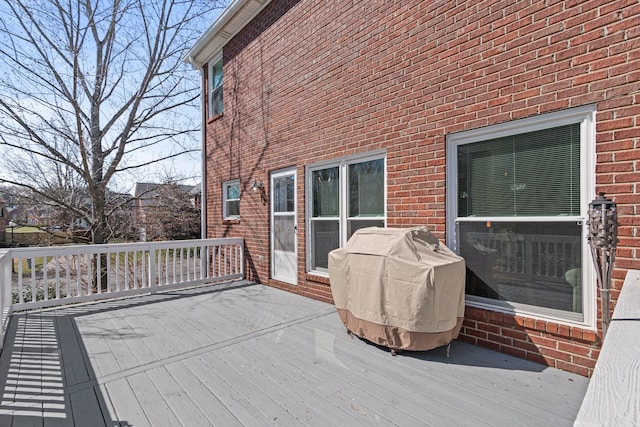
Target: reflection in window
[231,200]
[362,199]
[216,104]
[526,262]
[284,194]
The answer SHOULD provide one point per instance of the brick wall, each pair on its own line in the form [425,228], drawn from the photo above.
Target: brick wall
[312,81]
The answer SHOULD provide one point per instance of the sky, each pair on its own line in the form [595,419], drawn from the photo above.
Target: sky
[187,166]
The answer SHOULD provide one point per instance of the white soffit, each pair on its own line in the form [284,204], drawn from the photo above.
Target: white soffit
[232,19]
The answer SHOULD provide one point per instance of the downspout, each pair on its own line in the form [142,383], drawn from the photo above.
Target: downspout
[203,157]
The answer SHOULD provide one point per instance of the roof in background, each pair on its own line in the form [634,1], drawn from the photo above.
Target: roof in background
[146,192]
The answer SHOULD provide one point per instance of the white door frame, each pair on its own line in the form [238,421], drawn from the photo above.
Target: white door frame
[290,260]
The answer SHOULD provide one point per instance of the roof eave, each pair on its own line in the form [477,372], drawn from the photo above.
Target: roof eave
[232,19]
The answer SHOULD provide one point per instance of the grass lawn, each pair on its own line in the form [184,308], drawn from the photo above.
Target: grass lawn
[25,229]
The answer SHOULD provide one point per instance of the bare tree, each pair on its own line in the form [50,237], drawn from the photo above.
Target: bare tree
[89,90]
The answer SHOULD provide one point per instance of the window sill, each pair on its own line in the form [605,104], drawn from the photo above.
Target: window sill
[214,118]
[316,277]
[231,221]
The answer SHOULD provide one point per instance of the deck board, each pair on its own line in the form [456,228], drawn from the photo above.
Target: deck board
[177,399]
[125,403]
[86,409]
[237,404]
[242,354]
[210,405]
[283,386]
[157,411]
[378,383]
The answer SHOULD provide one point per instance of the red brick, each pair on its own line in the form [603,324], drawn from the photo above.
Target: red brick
[552,327]
[535,357]
[514,352]
[526,346]
[512,333]
[488,344]
[557,355]
[346,83]
[563,330]
[543,341]
[576,333]
[500,339]
[573,348]
[576,369]
[589,336]
[488,328]
[587,362]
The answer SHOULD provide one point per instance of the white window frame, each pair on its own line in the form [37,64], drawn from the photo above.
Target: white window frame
[584,115]
[225,186]
[211,89]
[342,164]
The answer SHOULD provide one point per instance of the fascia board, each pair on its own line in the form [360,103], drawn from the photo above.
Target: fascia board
[232,19]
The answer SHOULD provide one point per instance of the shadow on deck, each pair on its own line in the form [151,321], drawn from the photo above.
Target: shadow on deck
[246,354]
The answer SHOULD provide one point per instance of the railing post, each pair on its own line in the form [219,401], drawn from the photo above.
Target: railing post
[6,264]
[242,258]
[152,268]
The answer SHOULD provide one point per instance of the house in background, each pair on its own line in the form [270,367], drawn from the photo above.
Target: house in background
[493,123]
[166,211]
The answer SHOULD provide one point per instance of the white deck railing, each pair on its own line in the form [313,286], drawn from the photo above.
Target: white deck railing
[5,292]
[40,277]
[613,395]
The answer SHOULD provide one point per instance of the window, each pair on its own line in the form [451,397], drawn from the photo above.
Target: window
[231,200]
[343,196]
[517,196]
[216,104]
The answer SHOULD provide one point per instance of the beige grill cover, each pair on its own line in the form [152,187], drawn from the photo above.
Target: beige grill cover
[399,288]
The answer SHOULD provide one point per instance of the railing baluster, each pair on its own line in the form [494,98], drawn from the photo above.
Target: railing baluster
[117,271]
[78,276]
[242,264]
[204,258]
[45,285]
[89,260]
[226,260]
[219,257]
[189,273]
[109,274]
[238,259]
[182,266]
[143,271]
[57,258]
[135,269]
[166,267]
[160,267]
[127,271]
[99,273]
[33,279]
[152,269]
[20,291]
[174,279]
[67,266]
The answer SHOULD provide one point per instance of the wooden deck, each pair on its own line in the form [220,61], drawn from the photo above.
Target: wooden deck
[246,354]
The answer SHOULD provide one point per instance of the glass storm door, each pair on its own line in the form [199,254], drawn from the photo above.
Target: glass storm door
[284,242]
